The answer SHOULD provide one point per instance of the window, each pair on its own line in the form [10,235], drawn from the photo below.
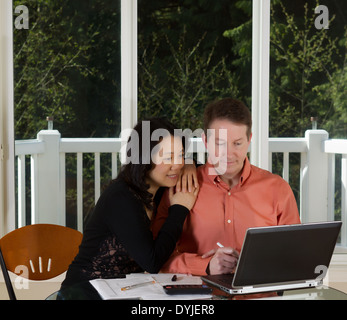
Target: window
[61,72]
[67,66]
[308,78]
[67,63]
[190,53]
[6,119]
[308,67]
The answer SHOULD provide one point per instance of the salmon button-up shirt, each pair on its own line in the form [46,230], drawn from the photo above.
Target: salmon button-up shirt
[223,215]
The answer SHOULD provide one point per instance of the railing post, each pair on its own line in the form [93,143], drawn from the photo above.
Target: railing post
[48,206]
[314,178]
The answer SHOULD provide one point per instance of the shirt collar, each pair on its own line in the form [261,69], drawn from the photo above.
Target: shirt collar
[214,177]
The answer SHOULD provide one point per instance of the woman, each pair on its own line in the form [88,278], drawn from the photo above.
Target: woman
[118,238]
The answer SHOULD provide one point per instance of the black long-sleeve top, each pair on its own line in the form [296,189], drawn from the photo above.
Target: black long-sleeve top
[118,240]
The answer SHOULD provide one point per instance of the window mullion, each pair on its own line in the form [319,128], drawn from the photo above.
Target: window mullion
[260,83]
[7,176]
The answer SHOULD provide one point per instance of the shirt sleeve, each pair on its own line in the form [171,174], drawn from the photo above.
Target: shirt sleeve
[126,218]
[288,212]
[187,263]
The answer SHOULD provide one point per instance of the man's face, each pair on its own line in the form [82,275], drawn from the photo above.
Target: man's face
[227,145]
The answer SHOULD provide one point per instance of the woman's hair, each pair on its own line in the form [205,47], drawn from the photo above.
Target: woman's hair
[139,150]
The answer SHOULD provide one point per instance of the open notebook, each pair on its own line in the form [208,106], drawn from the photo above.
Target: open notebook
[111,289]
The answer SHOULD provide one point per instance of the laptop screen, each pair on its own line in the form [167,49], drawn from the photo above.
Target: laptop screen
[286,253]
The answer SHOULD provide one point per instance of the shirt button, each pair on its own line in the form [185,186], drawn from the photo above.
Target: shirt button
[229,221]
[229,193]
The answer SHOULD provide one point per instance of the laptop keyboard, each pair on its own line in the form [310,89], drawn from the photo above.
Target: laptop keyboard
[222,279]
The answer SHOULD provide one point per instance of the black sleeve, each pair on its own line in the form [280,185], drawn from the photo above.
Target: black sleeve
[126,218]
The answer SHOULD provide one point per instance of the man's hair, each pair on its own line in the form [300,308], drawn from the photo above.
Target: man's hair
[229,109]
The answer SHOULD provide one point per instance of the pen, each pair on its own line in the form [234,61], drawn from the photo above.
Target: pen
[220,245]
[136,285]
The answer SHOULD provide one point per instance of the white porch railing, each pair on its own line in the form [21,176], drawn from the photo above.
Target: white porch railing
[48,173]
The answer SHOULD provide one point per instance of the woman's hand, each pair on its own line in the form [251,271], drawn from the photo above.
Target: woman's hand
[186,199]
[188,179]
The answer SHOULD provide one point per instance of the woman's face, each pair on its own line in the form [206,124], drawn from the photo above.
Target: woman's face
[168,159]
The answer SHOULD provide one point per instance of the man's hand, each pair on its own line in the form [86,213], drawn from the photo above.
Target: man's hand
[224,260]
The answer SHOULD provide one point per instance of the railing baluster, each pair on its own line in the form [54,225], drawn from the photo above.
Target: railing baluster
[96,176]
[270,161]
[331,186]
[21,191]
[303,184]
[80,191]
[34,194]
[285,173]
[62,202]
[114,165]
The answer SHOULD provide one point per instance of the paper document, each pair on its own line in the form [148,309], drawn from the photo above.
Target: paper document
[111,289]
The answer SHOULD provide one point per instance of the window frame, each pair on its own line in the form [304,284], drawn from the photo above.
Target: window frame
[260,92]
[7,173]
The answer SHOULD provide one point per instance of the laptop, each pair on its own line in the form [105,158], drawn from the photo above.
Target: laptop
[281,258]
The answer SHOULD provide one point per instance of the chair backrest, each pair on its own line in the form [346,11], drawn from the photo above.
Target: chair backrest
[40,251]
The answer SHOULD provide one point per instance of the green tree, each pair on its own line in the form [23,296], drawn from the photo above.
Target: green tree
[67,66]
[308,66]
[191,80]
[184,59]
[333,95]
[302,58]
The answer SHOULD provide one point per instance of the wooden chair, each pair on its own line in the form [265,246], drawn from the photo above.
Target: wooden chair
[39,251]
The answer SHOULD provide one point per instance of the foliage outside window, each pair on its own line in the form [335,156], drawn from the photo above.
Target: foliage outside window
[67,65]
[190,52]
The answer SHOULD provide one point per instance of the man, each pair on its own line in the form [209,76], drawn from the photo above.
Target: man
[234,196]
